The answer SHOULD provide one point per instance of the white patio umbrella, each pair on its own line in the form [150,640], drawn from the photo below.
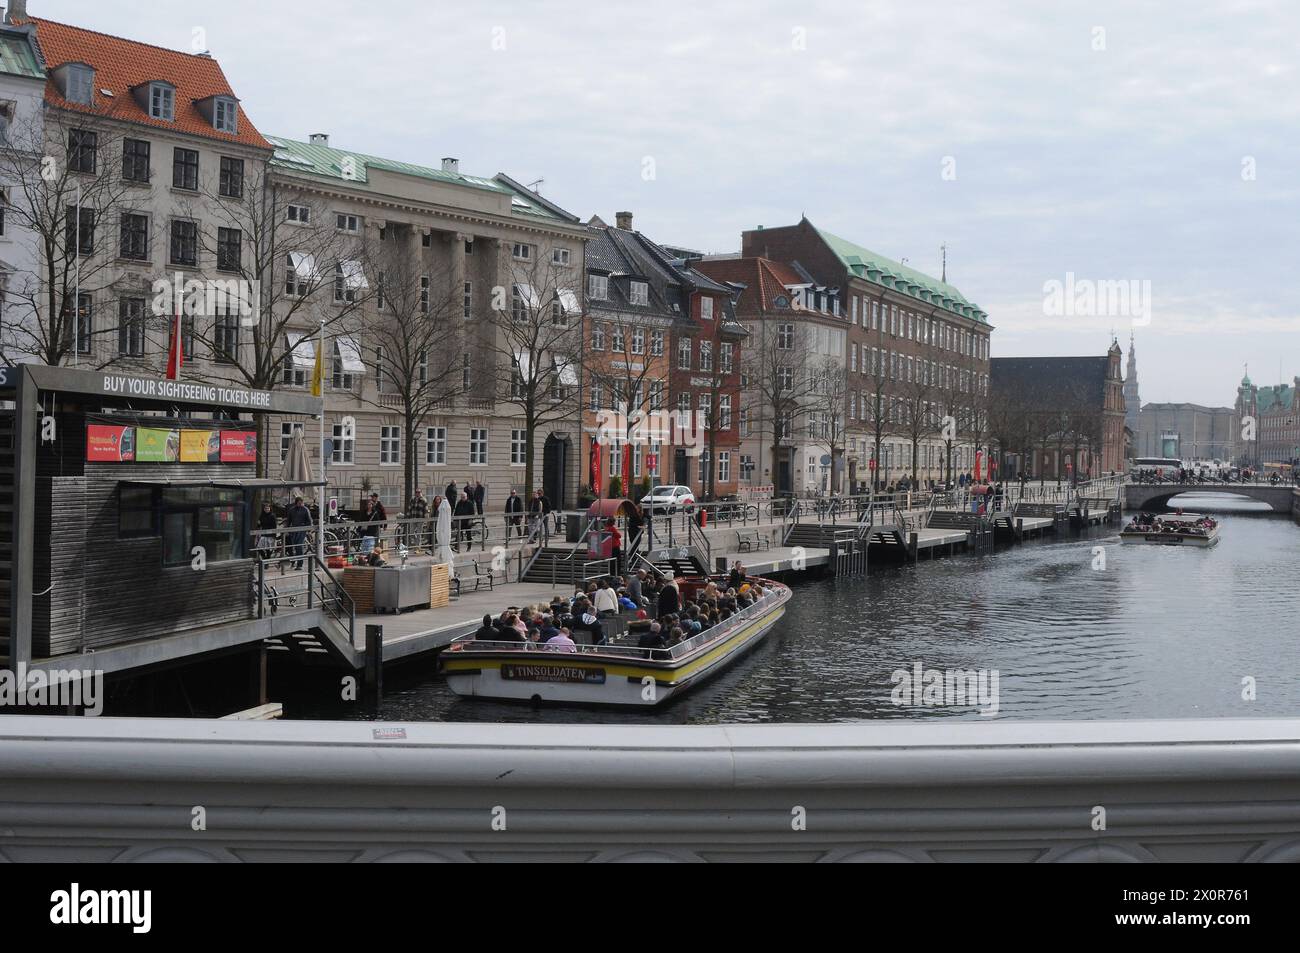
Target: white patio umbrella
[297,461]
[444,537]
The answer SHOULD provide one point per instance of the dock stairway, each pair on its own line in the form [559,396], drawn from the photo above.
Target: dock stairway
[329,637]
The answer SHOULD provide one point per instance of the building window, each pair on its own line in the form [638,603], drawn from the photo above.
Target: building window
[390,445]
[706,355]
[724,466]
[597,287]
[595,395]
[518,305]
[724,412]
[202,516]
[381,376]
[469,299]
[746,468]
[705,463]
[225,335]
[225,115]
[522,252]
[638,340]
[286,437]
[130,327]
[597,336]
[81,85]
[784,379]
[726,359]
[640,293]
[185,169]
[185,242]
[83,146]
[657,344]
[706,410]
[424,294]
[135,160]
[518,447]
[656,395]
[435,446]
[706,309]
[684,348]
[162,102]
[79,230]
[465,376]
[299,214]
[341,378]
[560,256]
[617,342]
[229,249]
[231,178]
[347,223]
[785,337]
[478,446]
[135,237]
[343,446]
[85,323]
[746,427]
[853,358]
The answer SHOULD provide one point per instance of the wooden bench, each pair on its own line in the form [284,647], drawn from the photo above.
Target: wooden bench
[751,539]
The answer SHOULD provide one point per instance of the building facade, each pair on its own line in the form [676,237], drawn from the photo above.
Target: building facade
[22,93]
[1058,417]
[1267,423]
[1185,431]
[922,357]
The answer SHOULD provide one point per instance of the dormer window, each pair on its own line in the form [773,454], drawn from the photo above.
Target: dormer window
[639,293]
[80,84]
[225,115]
[162,101]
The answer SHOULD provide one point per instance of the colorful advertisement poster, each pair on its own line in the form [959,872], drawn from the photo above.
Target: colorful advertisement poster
[153,445]
[239,446]
[200,446]
[107,444]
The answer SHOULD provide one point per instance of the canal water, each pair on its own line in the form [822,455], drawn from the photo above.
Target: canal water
[1081,627]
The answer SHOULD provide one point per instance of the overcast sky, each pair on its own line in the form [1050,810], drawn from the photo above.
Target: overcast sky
[1118,141]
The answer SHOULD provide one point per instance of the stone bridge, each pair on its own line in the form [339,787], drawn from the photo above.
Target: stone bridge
[1142,496]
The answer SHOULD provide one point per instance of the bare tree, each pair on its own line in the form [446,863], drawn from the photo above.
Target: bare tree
[276,274]
[534,344]
[776,365]
[622,372]
[64,186]
[832,388]
[414,335]
[918,413]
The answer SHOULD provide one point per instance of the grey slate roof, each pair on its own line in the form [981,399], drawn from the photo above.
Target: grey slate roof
[1050,383]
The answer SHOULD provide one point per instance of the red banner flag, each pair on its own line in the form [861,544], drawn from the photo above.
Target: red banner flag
[176,349]
[627,470]
[595,468]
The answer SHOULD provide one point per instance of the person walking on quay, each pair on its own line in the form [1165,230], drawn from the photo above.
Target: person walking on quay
[376,518]
[266,521]
[298,517]
[480,495]
[464,513]
[514,515]
[418,510]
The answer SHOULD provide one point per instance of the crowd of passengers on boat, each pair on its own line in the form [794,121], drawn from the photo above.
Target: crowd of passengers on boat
[646,610]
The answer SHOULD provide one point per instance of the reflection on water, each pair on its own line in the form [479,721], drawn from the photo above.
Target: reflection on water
[1160,632]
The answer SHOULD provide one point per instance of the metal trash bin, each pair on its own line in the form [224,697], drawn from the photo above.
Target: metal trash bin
[572,527]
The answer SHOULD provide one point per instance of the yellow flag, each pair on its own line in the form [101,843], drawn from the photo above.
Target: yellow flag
[318,372]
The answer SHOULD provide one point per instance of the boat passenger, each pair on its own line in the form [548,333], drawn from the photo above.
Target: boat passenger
[606,600]
[561,642]
[652,638]
[487,632]
[669,599]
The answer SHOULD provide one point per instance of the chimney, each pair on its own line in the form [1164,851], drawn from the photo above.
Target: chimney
[16,10]
[450,164]
[319,138]
[623,220]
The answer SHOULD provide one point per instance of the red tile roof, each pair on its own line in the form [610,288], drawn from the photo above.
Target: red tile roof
[120,64]
[763,278]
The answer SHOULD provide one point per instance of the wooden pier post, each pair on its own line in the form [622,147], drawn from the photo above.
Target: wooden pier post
[374,671]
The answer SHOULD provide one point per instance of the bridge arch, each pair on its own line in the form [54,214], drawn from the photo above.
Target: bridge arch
[1141,496]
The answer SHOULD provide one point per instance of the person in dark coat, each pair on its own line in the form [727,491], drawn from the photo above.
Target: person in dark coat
[265,544]
[480,495]
[298,517]
[514,514]
[487,632]
[453,493]
[464,516]
[669,602]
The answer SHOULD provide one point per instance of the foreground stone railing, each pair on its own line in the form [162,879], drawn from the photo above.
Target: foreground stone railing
[139,789]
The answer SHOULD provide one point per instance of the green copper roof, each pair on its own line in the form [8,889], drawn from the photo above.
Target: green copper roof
[17,58]
[888,273]
[1269,397]
[346,166]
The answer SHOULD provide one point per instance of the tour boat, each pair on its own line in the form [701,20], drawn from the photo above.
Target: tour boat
[1173,529]
[619,673]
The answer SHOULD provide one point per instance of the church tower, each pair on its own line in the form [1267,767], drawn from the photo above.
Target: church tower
[1132,403]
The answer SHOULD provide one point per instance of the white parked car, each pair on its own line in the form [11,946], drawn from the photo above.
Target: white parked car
[669,499]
